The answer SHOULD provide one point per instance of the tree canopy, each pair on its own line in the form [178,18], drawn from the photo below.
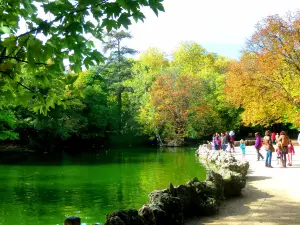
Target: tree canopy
[105,92]
[265,81]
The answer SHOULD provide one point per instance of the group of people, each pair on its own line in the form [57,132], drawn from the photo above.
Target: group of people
[283,148]
[224,142]
[278,143]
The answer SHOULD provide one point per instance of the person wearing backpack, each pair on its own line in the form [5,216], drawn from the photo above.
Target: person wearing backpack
[258,144]
[284,139]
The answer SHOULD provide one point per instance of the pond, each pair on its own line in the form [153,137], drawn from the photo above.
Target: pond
[44,190]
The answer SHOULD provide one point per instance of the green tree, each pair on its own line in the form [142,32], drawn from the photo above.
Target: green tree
[7,125]
[96,109]
[85,115]
[116,70]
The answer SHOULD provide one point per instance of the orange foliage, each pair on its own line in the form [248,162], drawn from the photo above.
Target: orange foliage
[265,81]
[175,98]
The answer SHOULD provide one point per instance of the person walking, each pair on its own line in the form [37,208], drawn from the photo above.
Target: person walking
[231,135]
[291,152]
[217,141]
[213,146]
[227,137]
[258,145]
[243,149]
[224,141]
[284,139]
[268,145]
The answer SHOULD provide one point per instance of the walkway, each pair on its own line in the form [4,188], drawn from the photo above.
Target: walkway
[271,196]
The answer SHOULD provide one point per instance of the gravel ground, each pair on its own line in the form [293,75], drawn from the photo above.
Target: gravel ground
[271,196]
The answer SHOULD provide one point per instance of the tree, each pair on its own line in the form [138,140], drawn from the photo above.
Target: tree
[56,31]
[95,100]
[7,125]
[174,100]
[190,58]
[265,82]
[117,68]
[145,70]
[85,116]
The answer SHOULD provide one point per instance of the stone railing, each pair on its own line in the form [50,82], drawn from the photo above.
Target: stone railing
[226,177]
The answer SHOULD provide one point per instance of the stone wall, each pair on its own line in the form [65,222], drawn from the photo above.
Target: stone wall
[232,171]
[226,177]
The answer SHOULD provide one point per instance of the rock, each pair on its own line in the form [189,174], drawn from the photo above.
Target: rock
[124,217]
[153,214]
[226,172]
[218,182]
[233,184]
[171,190]
[171,205]
[188,197]
[72,220]
[114,220]
[194,180]
[210,207]
[147,213]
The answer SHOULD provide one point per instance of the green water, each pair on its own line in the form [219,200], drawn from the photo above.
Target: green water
[45,190]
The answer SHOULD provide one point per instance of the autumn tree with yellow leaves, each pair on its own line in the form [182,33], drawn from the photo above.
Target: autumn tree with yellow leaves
[265,81]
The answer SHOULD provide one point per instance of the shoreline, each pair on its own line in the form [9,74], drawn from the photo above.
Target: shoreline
[226,177]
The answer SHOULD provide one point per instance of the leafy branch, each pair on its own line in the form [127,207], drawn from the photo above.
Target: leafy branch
[19,83]
[45,24]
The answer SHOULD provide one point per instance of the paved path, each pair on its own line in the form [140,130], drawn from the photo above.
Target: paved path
[271,196]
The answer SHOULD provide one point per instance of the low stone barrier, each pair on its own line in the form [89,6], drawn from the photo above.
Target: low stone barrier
[171,206]
[231,171]
[226,177]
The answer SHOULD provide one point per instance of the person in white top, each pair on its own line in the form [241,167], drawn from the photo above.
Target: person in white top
[298,139]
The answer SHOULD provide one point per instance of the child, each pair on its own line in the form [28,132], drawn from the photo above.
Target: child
[278,148]
[291,152]
[243,148]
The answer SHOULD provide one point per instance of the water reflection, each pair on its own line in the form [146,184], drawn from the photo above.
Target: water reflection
[89,186]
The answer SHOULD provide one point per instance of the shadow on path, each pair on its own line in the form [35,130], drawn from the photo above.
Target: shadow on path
[236,206]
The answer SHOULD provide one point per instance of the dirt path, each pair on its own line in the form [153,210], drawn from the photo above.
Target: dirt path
[272,196]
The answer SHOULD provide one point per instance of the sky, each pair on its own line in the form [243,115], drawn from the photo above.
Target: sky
[220,26]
